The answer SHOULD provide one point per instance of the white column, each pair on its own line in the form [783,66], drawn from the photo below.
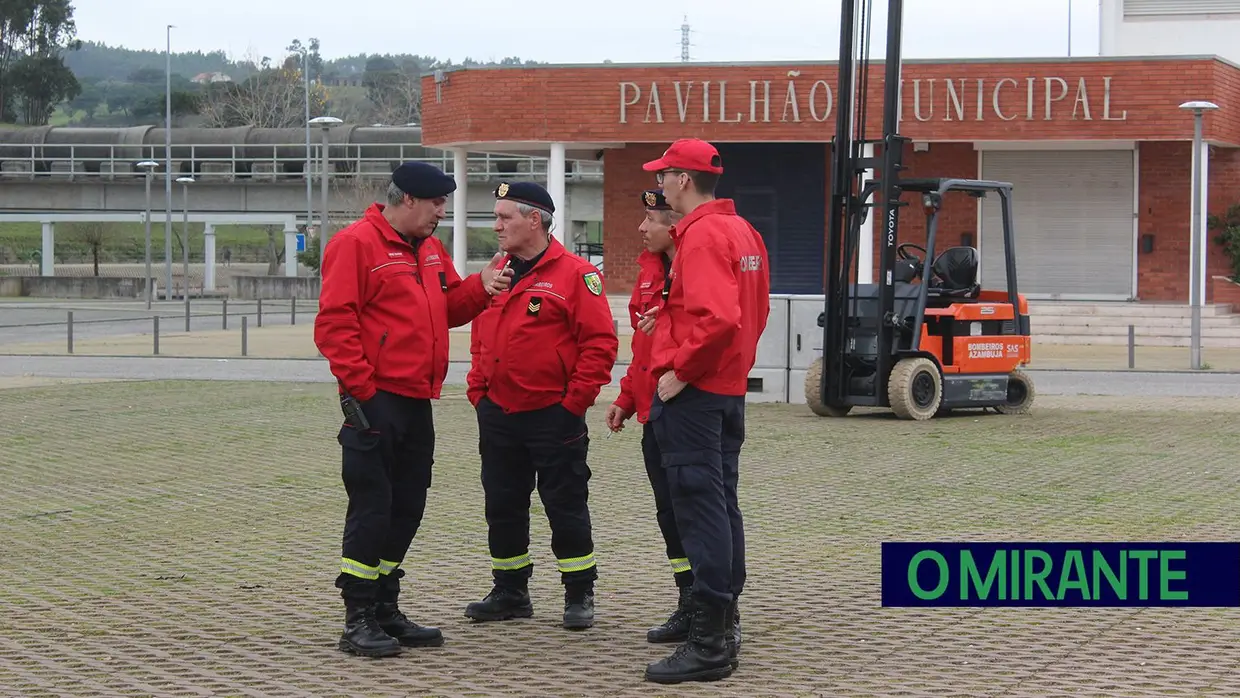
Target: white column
[1110,17]
[208,243]
[865,242]
[48,263]
[290,248]
[555,187]
[1204,230]
[460,210]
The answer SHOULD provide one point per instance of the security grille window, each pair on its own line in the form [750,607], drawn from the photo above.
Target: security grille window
[1156,8]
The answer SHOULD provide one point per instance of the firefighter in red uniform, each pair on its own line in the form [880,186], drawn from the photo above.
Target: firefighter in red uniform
[541,354]
[705,343]
[389,295]
[637,391]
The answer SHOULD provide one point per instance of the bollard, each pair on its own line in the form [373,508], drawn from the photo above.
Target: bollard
[292,313]
[224,314]
[70,331]
[187,308]
[1132,346]
[245,326]
[156,319]
[260,312]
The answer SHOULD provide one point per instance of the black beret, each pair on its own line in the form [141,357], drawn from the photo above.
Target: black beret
[423,180]
[653,200]
[526,193]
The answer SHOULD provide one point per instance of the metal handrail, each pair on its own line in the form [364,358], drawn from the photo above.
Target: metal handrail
[263,162]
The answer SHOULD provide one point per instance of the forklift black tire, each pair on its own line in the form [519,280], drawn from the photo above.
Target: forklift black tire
[915,389]
[813,393]
[1020,394]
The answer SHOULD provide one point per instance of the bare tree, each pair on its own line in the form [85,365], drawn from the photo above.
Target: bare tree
[91,235]
[273,97]
[396,97]
[275,248]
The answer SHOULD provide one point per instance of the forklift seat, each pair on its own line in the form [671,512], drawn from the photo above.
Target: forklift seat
[954,273]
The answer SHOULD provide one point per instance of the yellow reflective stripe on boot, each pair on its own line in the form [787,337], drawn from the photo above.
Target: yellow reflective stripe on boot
[387,566]
[576,564]
[511,563]
[679,564]
[357,569]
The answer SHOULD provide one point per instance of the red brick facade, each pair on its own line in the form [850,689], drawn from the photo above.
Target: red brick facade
[1077,99]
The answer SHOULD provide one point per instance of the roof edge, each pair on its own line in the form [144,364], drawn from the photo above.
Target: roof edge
[874,61]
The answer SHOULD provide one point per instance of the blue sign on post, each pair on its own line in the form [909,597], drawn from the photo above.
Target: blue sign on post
[301,242]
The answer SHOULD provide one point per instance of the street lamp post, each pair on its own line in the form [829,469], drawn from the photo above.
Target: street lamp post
[185,182]
[148,166]
[1196,276]
[168,166]
[305,69]
[324,122]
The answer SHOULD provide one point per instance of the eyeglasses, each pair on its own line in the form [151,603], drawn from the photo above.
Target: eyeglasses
[658,176]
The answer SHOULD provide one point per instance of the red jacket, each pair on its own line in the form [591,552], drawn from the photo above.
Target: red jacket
[638,385]
[547,340]
[385,310]
[719,302]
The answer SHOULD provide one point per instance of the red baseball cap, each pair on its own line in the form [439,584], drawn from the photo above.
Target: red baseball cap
[688,154]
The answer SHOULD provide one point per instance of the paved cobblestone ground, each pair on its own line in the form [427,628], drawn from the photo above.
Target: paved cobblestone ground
[165,538]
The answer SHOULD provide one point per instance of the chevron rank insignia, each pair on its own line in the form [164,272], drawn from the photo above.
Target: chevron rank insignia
[593,283]
[534,306]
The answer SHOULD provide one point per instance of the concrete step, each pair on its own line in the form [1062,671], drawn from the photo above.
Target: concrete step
[1076,322]
[1117,340]
[1118,331]
[1115,309]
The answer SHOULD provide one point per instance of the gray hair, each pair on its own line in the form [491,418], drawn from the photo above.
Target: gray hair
[547,219]
[394,194]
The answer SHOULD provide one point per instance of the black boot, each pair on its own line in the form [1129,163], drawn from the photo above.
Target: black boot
[704,657]
[578,607]
[362,634]
[395,623]
[733,625]
[502,603]
[676,629]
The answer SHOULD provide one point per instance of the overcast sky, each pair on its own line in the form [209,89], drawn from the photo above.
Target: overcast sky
[597,30]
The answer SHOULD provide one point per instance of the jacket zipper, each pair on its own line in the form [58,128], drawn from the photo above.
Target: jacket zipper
[417,265]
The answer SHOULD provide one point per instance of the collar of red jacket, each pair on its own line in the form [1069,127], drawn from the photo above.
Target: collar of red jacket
[554,249]
[726,207]
[374,216]
[649,260]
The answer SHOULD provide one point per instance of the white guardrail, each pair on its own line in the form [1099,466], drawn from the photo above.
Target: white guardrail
[261,161]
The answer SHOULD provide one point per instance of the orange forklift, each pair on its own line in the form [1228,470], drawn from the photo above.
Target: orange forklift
[926,339]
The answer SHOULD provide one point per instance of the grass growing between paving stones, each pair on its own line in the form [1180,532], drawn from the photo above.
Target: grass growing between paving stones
[166,538]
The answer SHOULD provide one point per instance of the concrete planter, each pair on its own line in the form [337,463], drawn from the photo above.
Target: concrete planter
[273,287]
[72,287]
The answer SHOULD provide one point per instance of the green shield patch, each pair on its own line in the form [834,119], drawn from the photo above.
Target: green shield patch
[593,283]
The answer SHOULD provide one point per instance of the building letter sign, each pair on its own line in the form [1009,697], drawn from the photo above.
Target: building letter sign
[1046,98]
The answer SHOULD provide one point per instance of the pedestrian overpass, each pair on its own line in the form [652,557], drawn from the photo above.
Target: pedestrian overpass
[256,176]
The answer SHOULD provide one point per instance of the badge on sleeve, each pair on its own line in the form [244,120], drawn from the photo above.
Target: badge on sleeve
[593,283]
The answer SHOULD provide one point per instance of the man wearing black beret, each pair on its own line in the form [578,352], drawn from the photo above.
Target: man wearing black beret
[637,392]
[389,295]
[542,352]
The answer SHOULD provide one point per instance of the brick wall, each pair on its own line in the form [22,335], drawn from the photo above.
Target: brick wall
[623,182]
[994,100]
[1165,171]
[1165,212]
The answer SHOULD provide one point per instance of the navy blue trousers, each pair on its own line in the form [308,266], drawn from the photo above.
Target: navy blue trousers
[700,436]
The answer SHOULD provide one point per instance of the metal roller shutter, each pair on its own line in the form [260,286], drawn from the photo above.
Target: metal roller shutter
[1153,8]
[1072,219]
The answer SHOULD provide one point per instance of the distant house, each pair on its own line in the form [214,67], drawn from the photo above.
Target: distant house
[211,77]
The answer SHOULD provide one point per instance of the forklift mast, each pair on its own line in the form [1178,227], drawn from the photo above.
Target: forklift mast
[848,208]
